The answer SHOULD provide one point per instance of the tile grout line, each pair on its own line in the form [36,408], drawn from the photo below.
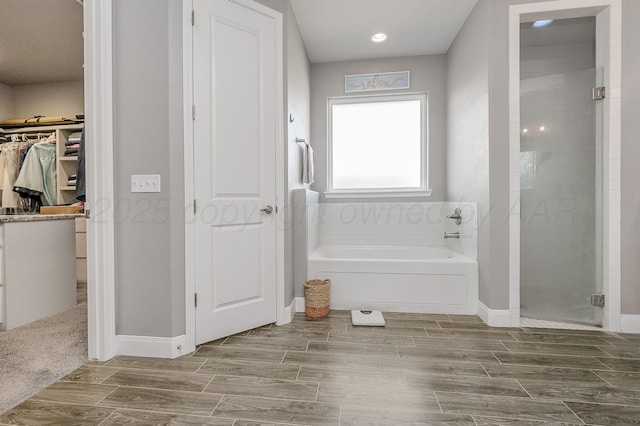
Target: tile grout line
[435,395]
[208,383]
[603,364]
[298,373]
[217,405]
[485,370]
[573,412]
[601,378]
[524,389]
[106,396]
[107,418]
[166,390]
[111,375]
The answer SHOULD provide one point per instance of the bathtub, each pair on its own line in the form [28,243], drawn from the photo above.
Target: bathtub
[397,278]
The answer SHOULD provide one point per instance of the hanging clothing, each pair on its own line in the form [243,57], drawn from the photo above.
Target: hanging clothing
[37,177]
[10,158]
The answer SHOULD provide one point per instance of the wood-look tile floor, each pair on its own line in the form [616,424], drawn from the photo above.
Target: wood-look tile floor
[419,369]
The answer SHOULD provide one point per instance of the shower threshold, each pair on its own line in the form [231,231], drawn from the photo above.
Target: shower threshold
[538,323]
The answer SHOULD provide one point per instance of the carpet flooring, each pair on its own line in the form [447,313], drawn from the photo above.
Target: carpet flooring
[36,355]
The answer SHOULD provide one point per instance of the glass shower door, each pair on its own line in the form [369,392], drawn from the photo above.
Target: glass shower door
[561,175]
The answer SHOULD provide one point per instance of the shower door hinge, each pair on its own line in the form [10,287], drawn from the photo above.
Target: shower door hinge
[597,299]
[193,18]
[598,93]
[195,299]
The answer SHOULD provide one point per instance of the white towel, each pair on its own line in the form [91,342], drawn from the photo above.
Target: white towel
[307,165]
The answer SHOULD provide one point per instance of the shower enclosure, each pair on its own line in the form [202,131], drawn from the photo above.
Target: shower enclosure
[561,173]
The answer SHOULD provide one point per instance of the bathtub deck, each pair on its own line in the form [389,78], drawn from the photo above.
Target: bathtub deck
[427,369]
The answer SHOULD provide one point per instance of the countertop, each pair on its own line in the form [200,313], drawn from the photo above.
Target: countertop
[7,218]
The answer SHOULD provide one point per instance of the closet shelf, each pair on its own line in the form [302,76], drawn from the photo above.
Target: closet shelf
[33,129]
[66,166]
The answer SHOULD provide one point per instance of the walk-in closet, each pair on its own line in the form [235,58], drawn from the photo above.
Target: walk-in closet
[42,226]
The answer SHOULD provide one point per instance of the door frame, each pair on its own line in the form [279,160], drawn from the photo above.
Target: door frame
[608,15]
[98,100]
[189,167]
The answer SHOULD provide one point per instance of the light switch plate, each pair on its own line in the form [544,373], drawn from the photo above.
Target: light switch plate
[145,183]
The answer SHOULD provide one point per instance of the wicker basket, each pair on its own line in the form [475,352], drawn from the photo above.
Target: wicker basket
[316,298]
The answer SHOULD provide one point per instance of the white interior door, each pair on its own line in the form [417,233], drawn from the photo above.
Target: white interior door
[235,72]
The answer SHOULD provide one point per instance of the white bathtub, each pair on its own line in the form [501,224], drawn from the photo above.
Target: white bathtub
[398,278]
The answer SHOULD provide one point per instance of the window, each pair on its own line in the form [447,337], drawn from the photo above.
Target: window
[377,146]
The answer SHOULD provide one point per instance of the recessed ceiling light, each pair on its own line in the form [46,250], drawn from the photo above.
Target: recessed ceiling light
[542,23]
[379,38]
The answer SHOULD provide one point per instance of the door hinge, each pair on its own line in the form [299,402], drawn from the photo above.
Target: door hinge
[598,93]
[193,112]
[195,299]
[597,299]
[195,207]
[87,214]
[193,18]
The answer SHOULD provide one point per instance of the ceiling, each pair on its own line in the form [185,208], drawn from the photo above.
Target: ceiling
[40,41]
[339,30]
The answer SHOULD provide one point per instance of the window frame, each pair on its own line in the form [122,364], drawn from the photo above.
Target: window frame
[421,191]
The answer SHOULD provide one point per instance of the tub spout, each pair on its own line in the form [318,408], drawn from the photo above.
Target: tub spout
[451,235]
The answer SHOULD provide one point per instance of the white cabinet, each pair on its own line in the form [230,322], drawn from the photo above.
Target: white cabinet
[38,271]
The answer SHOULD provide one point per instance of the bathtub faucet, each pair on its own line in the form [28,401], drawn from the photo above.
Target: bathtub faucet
[451,235]
[456,216]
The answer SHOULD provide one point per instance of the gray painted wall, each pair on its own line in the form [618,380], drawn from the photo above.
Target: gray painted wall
[493,37]
[630,225]
[6,102]
[631,110]
[468,175]
[297,97]
[149,229]
[149,140]
[299,106]
[428,74]
[59,98]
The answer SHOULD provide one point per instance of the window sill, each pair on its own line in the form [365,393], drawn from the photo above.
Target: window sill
[379,194]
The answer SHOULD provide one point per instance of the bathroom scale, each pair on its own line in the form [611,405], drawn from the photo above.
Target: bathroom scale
[367,318]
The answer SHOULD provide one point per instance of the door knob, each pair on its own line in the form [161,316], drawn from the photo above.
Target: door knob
[267,210]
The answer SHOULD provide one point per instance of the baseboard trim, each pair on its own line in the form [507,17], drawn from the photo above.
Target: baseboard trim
[289,313]
[494,317]
[149,346]
[630,323]
[299,304]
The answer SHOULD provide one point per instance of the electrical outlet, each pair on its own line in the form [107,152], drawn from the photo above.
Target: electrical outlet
[145,183]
